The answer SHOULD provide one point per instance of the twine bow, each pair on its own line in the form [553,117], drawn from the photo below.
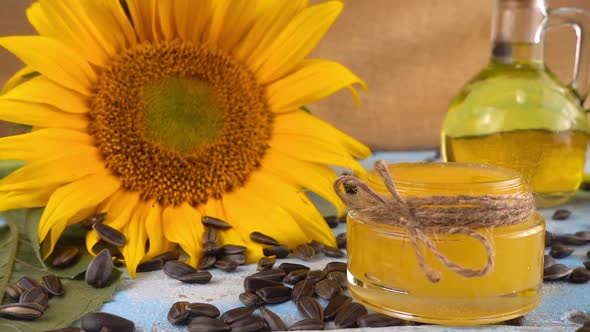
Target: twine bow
[435,214]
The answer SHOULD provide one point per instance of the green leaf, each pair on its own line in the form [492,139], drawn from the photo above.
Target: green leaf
[79,297]
[8,246]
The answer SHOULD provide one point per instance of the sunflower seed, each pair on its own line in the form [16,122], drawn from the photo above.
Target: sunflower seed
[94,322]
[315,275]
[251,285]
[302,289]
[335,305]
[341,240]
[200,277]
[263,239]
[549,239]
[548,261]
[275,275]
[588,254]
[378,320]
[252,323]
[13,291]
[310,308]
[307,325]
[317,246]
[151,265]
[279,251]
[579,318]
[251,299]
[559,251]
[210,235]
[327,289]
[35,295]
[304,252]
[176,269]
[203,309]
[207,262]
[230,249]
[168,256]
[207,324]
[110,235]
[215,222]
[295,277]
[52,284]
[583,235]
[95,219]
[21,311]
[66,257]
[67,329]
[238,258]
[335,266]
[332,221]
[236,314]
[570,239]
[349,314]
[333,252]
[579,275]
[211,249]
[227,266]
[100,269]
[272,320]
[290,267]
[556,272]
[338,277]
[274,294]
[26,283]
[587,264]
[561,214]
[265,263]
[178,315]
[518,321]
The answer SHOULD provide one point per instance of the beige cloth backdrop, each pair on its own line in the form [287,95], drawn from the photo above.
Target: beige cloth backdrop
[414,54]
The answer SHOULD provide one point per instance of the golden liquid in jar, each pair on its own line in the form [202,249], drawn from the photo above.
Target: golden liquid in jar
[551,162]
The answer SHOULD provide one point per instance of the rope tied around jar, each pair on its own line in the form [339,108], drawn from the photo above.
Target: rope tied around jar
[421,216]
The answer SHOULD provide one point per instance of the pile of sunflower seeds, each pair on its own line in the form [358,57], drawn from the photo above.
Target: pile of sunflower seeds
[28,299]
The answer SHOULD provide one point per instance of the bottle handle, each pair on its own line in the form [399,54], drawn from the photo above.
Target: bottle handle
[579,20]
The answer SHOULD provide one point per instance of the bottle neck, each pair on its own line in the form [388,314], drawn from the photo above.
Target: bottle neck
[517,33]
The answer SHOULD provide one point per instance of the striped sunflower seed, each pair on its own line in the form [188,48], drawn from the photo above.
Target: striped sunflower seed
[212,249]
[168,256]
[253,323]
[278,251]
[207,262]
[203,309]
[210,235]
[315,275]
[333,252]
[176,269]
[265,263]
[302,289]
[560,251]
[227,266]
[561,214]
[332,221]
[339,277]
[274,294]
[273,321]
[200,277]
[310,308]
[66,257]
[378,320]
[335,305]
[240,259]
[230,249]
[307,325]
[95,321]
[580,275]
[556,272]
[178,315]
[251,285]
[327,289]
[335,266]
[207,324]
[95,219]
[263,239]
[572,240]
[110,235]
[251,299]
[549,239]
[290,267]
[341,240]
[13,291]
[304,252]
[52,285]
[275,275]
[295,276]
[26,283]
[151,265]
[215,222]
[349,314]
[236,314]
[100,270]
[317,246]
[21,311]
[36,295]
[583,235]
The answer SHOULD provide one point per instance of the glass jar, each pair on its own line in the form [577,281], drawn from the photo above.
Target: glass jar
[383,269]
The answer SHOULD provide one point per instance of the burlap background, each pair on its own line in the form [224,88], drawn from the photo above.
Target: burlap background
[415,55]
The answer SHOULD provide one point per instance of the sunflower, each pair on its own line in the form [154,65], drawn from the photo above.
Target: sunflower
[158,113]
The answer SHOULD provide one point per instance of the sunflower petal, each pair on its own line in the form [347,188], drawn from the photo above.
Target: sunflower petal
[153,227]
[74,202]
[142,14]
[192,18]
[40,144]
[297,40]
[183,225]
[167,27]
[215,208]
[134,250]
[313,81]
[25,199]
[303,124]
[39,115]
[53,59]
[232,20]
[16,79]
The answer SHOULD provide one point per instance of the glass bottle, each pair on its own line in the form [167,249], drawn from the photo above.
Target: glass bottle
[515,113]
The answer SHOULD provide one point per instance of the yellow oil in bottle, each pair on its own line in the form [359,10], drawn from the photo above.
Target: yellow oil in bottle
[384,273]
[551,162]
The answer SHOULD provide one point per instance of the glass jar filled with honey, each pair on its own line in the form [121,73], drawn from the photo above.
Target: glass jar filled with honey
[444,243]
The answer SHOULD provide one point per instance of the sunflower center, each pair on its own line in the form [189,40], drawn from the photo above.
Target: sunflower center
[171,108]
[180,123]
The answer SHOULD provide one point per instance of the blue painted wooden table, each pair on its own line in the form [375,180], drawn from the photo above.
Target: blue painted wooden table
[146,300]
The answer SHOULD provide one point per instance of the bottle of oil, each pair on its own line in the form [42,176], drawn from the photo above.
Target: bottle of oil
[515,113]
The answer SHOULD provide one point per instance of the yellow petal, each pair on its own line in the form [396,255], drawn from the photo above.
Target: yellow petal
[313,81]
[192,18]
[165,12]
[43,91]
[215,208]
[72,203]
[25,199]
[232,20]
[39,115]
[41,144]
[53,59]
[318,178]
[301,123]
[55,170]
[153,227]
[296,41]
[142,14]
[134,250]
[183,225]
[16,79]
